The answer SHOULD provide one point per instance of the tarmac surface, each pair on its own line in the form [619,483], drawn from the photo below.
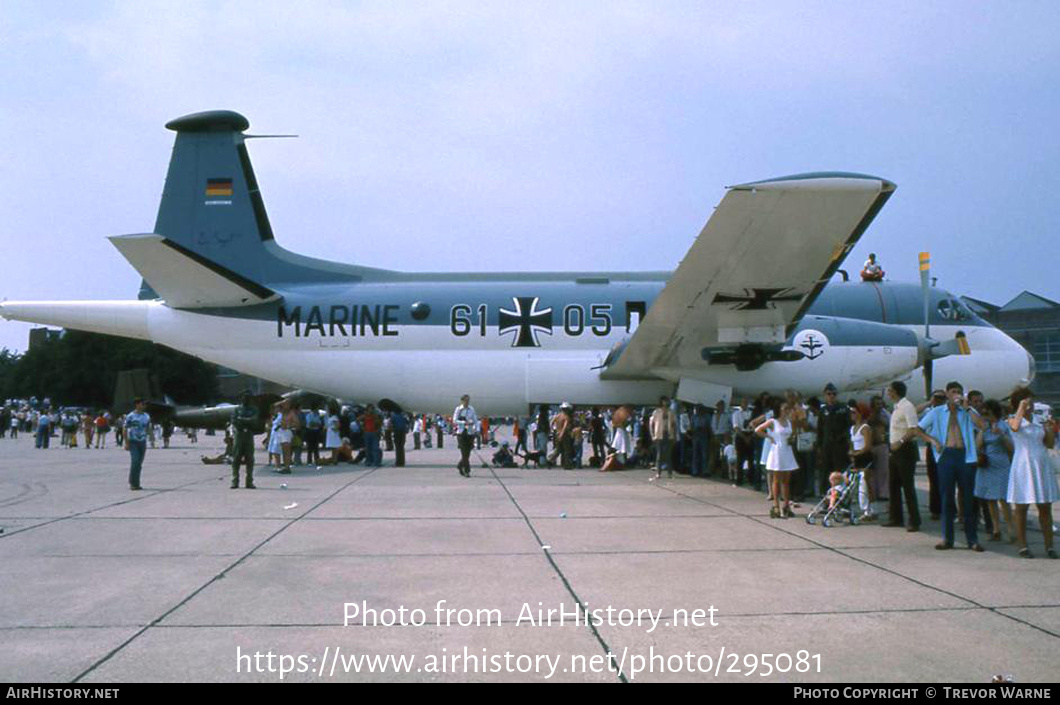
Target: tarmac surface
[180,580]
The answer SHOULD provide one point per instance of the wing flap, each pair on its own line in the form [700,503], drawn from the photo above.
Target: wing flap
[184,279]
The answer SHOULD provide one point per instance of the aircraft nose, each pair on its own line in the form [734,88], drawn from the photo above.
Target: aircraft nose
[1032,368]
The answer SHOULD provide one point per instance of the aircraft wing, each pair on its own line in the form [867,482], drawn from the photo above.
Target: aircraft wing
[755,269]
[184,279]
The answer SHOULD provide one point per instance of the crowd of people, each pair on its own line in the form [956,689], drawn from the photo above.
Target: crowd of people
[298,435]
[74,427]
[986,461]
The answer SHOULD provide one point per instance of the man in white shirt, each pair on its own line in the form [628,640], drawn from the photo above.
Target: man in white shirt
[871,271]
[417,430]
[465,423]
[903,459]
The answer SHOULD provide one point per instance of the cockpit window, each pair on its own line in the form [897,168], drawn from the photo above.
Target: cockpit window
[965,311]
[953,310]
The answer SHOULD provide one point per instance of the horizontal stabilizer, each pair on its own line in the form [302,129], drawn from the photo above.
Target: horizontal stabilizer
[184,279]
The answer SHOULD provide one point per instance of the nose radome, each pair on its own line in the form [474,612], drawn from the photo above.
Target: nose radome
[1032,368]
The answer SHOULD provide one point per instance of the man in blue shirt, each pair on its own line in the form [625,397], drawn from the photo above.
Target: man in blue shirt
[44,430]
[950,429]
[136,425]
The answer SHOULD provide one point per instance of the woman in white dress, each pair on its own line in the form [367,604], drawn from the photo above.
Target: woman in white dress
[332,438]
[781,461]
[274,438]
[861,456]
[1031,479]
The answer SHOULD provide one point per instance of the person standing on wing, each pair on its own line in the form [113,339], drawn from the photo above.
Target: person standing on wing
[465,425]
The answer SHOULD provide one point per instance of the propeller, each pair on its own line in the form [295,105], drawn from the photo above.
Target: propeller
[931,349]
[928,361]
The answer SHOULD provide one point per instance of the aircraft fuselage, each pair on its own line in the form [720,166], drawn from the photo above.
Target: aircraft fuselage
[511,343]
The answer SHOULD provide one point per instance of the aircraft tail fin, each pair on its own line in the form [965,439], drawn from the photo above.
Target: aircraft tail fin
[212,208]
[211,205]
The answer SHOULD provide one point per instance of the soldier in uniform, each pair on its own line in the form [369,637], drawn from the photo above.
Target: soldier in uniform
[244,421]
[834,429]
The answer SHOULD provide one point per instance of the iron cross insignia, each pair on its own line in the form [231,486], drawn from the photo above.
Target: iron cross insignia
[526,320]
[756,299]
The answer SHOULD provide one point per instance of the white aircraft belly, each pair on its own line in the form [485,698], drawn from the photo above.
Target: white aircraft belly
[428,372]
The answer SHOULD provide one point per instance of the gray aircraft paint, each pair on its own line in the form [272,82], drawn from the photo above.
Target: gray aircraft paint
[565,323]
[848,314]
[229,227]
[893,303]
[841,330]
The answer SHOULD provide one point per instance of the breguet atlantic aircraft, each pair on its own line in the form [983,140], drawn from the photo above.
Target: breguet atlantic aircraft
[749,309]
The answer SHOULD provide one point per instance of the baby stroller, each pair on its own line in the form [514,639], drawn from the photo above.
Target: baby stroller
[845,507]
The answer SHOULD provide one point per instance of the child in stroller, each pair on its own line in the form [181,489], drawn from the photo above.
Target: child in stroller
[840,502]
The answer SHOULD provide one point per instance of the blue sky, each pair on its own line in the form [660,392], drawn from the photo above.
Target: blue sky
[533,136]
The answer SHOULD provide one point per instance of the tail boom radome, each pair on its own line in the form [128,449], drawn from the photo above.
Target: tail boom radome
[128,319]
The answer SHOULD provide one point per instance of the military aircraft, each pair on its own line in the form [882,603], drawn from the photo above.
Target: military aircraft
[749,309]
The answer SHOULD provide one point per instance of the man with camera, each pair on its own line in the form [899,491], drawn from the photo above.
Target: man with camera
[465,425]
[950,429]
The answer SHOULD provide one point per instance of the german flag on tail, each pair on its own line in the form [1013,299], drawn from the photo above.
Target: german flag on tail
[218,187]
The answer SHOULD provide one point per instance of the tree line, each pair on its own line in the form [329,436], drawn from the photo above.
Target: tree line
[81,369]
